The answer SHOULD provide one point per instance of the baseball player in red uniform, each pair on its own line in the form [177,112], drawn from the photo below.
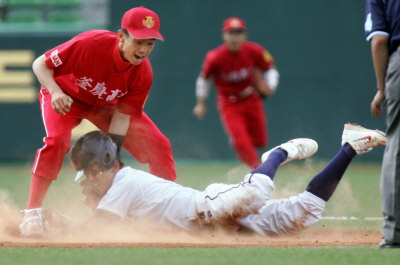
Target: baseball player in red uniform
[243,73]
[104,77]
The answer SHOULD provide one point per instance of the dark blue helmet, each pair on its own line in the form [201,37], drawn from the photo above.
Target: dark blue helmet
[93,147]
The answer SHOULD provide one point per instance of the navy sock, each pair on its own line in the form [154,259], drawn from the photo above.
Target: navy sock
[324,184]
[270,166]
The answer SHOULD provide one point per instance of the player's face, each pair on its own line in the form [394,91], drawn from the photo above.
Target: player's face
[99,181]
[134,50]
[234,39]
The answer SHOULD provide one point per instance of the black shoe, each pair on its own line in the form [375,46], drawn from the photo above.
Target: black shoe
[385,244]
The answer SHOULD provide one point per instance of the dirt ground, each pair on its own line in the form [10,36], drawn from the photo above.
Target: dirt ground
[142,234]
[309,238]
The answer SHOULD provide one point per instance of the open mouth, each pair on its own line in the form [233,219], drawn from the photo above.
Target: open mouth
[139,57]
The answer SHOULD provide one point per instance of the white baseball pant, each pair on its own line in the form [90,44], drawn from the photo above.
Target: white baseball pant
[288,215]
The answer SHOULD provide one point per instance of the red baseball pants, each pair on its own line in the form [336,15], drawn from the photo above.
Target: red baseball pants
[245,123]
[143,140]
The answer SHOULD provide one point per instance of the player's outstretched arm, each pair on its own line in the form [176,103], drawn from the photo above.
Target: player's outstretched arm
[99,220]
[102,217]
[203,86]
[119,123]
[200,109]
[60,102]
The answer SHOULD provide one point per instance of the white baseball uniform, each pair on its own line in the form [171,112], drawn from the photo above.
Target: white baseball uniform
[132,196]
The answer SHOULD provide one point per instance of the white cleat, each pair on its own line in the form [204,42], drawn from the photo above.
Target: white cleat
[362,140]
[300,148]
[32,223]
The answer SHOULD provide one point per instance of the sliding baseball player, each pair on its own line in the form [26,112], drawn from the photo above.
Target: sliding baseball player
[124,193]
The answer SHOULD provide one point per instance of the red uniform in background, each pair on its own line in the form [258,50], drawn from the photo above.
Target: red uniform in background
[89,68]
[236,68]
[241,108]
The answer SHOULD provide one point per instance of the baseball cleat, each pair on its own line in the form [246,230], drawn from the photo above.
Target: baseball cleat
[32,223]
[362,140]
[386,244]
[300,148]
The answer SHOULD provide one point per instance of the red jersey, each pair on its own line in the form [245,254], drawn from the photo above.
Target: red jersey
[90,69]
[232,71]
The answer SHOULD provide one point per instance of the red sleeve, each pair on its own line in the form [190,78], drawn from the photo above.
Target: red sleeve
[139,86]
[263,58]
[208,67]
[63,58]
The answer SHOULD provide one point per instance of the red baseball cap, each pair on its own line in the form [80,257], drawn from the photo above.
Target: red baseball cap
[142,23]
[233,23]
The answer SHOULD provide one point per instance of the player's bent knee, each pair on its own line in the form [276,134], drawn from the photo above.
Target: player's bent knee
[240,143]
[162,144]
[260,144]
[285,216]
[225,203]
[58,142]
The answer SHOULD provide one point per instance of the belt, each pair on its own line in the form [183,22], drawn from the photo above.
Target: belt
[242,95]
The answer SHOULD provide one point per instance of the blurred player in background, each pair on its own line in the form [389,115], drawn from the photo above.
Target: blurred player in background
[124,193]
[104,77]
[382,28]
[243,73]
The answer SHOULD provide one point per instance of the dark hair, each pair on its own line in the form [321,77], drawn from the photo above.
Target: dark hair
[125,32]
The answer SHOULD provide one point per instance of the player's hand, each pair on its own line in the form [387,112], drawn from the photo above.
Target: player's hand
[261,85]
[376,104]
[61,103]
[264,91]
[200,111]
[56,223]
[87,189]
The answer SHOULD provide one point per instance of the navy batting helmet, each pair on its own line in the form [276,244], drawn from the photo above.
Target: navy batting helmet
[93,147]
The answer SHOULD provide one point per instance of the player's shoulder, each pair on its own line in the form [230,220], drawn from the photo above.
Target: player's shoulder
[257,51]
[97,34]
[253,46]
[128,176]
[134,178]
[213,54]
[130,172]
[97,38]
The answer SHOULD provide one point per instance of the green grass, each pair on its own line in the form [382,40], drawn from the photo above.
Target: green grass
[357,195]
[199,256]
